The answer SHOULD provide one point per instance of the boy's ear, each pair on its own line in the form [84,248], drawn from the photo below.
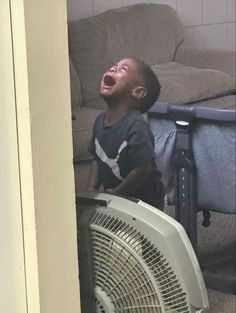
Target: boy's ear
[139,92]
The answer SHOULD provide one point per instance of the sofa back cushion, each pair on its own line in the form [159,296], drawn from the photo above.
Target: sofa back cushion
[186,84]
[75,89]
[150,32]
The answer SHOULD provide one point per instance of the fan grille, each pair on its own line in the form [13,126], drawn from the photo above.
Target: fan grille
[128,271]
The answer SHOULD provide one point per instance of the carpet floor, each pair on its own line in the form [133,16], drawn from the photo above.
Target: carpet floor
[216,241]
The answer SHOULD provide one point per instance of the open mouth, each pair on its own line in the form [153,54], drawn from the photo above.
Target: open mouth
[109,80]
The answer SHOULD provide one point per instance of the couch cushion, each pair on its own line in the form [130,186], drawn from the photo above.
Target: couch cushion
[81,171]
[82,130]
[97,42]
[225,102]
[183,84]
[75,89]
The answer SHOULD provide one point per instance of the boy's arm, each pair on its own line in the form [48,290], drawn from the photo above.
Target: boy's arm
[133,181]
[94,179]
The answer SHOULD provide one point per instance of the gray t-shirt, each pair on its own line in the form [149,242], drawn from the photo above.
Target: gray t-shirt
[120,148]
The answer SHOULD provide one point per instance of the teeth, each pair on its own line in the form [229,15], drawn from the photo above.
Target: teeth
[109,80]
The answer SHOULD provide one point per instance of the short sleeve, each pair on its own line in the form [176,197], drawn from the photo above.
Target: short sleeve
[140,143]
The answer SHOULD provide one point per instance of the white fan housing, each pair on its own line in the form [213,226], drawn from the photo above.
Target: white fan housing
[134,258]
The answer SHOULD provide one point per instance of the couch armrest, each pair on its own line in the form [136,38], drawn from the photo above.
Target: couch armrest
[222,60]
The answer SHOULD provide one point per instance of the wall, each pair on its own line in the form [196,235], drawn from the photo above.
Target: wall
[12,267]
[208,23]
[38,237]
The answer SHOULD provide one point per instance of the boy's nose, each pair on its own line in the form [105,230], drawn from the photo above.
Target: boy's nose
[113,69]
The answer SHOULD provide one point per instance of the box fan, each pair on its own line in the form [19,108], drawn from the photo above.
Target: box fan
[134,258]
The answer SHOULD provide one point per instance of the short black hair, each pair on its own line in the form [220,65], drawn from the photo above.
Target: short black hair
[151,83]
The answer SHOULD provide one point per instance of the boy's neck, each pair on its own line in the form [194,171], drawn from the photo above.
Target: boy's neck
[116,113]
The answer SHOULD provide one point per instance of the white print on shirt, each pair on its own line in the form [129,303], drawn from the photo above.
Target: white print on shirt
[112,163]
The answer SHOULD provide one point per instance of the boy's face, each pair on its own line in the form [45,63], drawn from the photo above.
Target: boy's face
[121,80]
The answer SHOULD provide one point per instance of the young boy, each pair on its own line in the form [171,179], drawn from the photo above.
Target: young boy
[122,143]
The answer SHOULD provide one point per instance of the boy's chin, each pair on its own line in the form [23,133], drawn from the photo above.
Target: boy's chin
[106,90]
[106,95]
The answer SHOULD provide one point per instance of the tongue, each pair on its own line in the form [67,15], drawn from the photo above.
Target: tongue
[109,80]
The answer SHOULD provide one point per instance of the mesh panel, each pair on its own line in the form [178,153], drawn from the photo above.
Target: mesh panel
[129,274]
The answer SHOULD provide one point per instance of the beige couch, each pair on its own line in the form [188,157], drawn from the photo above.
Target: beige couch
[153,33]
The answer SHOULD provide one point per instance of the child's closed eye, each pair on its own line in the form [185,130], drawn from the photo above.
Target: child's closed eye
[124,68]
